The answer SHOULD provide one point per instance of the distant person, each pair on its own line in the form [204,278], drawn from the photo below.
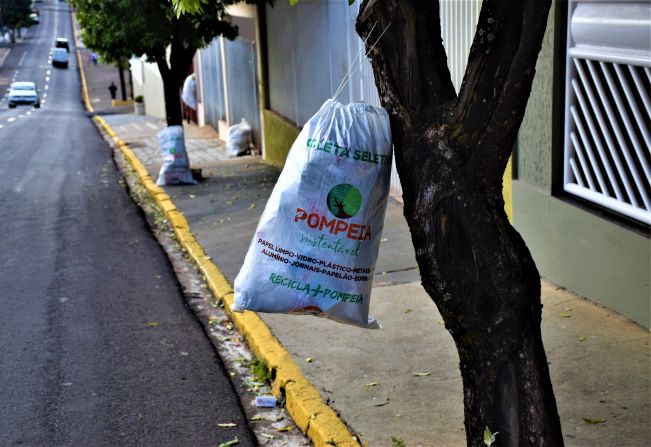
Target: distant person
[189,98]
[95,58]
[113,89]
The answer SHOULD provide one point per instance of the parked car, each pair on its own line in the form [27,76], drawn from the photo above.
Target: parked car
[62,42]
[35,18]
[59,57]
[23,93]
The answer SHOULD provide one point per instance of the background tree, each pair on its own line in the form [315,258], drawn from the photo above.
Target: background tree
[451,152]
[118,29]
[14,14]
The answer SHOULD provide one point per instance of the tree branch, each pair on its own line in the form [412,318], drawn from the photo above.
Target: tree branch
[414,81]
[498,78]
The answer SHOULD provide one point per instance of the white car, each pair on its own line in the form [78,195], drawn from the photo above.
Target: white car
[23,93]
[59,57]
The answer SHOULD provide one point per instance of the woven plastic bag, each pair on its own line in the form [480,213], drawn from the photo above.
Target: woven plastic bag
[176,167]
[315,247]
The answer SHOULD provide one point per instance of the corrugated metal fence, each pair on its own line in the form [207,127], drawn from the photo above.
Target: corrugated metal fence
[213,90]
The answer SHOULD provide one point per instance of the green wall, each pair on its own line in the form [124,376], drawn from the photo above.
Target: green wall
[585,253]
[279,134]
[574,247]
[535,138]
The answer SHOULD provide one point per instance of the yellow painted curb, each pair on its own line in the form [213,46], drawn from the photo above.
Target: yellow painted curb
[82,74]
[121,103]
[302,399]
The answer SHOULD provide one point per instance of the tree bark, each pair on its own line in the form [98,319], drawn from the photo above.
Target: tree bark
[123,87]
[451,152]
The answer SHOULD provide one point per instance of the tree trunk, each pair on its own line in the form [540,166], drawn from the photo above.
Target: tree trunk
[130,84]
[451,152]
[123,87]
[173,76]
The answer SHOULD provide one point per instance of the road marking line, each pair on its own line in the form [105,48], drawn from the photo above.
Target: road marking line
[46,87]
[1,126]
[151,126]
[44,95]
[48,72]
[12,119]
[21,116]
[47,79]
[22,59]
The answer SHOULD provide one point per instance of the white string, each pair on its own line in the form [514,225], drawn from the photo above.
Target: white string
[350,67]
[354,66]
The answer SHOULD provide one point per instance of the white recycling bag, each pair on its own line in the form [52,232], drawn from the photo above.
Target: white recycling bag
[239,138]
[176,167]
[317,241]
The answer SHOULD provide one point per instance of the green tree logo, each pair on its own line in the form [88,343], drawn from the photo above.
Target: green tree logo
[344,200]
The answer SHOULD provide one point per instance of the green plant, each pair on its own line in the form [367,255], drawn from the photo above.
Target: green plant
[260,371]
[139,99]
[397,442]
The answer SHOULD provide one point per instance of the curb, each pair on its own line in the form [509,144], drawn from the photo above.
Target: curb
[82,74]
[303,401]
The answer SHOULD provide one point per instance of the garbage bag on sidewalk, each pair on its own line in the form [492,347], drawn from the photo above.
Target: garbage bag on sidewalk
[239,138]
[176,167]
[317,241]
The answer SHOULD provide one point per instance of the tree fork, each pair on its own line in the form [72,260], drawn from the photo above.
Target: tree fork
[451,153]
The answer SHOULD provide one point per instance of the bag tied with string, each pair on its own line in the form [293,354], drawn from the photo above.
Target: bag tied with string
[315,247]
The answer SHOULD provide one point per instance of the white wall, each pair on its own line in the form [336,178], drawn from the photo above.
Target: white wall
[147,82]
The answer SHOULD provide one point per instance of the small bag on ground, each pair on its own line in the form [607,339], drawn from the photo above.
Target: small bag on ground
[317,241]
[239,138]
[176,167]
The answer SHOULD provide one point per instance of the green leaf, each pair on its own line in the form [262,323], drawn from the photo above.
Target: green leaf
[489,438]
[593,420]
[421,374]
[293,2]
[226,425]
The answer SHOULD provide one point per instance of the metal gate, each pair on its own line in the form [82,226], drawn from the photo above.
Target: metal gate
[242,85]
[213,84]
[229,82]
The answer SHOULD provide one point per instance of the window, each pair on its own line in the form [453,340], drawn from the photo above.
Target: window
[607,107]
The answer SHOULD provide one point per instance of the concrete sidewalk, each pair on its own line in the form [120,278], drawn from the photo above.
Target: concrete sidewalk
[600,362]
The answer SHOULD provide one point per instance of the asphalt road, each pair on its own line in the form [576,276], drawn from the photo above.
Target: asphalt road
[96,344]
